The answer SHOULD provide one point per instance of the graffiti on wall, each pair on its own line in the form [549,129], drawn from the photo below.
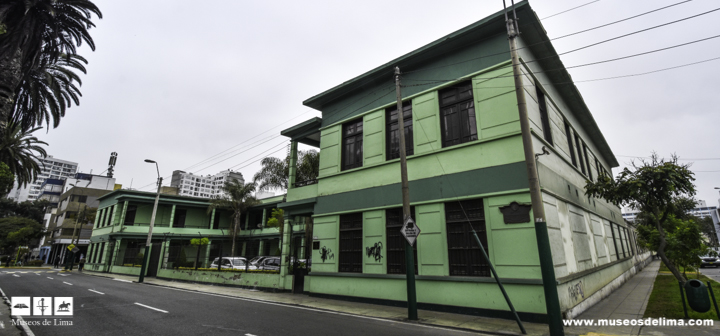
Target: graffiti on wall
[326,253]
[576,291]
[375,251]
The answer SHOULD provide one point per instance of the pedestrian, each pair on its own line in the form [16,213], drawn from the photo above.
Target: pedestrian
[57,262]
[81,264]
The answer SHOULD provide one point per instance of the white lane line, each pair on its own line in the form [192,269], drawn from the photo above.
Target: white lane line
[160,310]
[320,310]
[37,273]
[94,291]
[15,275]
[67,283]
[122,280]
[50,278]
[249,335]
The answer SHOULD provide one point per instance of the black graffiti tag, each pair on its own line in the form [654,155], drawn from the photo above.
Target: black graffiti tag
[326,253]
[375,251]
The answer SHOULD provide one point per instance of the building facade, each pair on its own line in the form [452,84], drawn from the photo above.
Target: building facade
[71,220]
[467,172]
[52,168]
[121,229]
[208,186]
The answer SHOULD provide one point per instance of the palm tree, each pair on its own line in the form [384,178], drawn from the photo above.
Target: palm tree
[275,172]
[21,152]
[47,91]
[35,29]
[239,197]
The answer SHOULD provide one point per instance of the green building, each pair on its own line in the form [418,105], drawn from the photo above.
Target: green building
[123,219]
[466,168]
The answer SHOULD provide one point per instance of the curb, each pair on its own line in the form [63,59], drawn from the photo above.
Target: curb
[23,326]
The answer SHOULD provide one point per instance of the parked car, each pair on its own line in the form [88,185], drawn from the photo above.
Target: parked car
[266,263]
[709,260]
[234,263]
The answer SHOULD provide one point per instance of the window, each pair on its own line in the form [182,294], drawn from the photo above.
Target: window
[393,134]
[587,161]
[547,131]
[396,242]
[352,145]
[580,158]
[465,257]
[216,221]
[78,198]
[179,220]
[457,114]
[351,238]
[568,133]
[130,215]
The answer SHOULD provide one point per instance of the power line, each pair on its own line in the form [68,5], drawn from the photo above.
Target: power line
[583,31]
[640,31]
[565,11]
[580,65]
[618,21]
[646,157]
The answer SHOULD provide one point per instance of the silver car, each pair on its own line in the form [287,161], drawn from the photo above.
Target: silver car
[234,263]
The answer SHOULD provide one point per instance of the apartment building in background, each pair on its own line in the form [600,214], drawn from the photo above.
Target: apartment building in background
[52,168]
[204,186]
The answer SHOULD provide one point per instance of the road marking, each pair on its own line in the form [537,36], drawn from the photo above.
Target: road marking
[160,310]
[15,275]
[50,278]
[67,283]
[94,291]
[320,310]
[249,335]
[122,280]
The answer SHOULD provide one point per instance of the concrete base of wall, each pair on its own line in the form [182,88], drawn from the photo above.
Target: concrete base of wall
[606,290]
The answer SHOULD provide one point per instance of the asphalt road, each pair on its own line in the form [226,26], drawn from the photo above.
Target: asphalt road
[711,272]
[104,306]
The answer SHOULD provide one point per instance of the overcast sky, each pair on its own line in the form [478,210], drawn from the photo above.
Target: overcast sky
[181,81]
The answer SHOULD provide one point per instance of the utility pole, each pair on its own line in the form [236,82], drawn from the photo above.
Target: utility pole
[552,303]
[146,257]
[409,257]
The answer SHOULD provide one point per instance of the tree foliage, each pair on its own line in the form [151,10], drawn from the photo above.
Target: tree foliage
[275,172]
[238,198]
[7,179]
[21,152]
[16,231]
[34,210]
[37,31]
[659,189]
[707,227]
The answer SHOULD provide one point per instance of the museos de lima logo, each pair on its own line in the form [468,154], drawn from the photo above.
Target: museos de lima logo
[42,306]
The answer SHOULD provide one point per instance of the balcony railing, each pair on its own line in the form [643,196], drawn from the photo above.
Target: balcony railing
[299,184]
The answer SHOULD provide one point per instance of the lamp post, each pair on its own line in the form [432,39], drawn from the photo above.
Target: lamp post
[146,257]
[69,264]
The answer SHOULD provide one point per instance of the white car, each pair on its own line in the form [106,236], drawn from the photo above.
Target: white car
[234,263]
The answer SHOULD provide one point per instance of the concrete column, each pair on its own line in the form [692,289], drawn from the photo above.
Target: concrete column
[264,218]
[285,248]
[165,253]
[244,246]
[207,256]
[124,211]
[172,215]
[98,215]
[113,215]
[212,219]
[118,242]
[261,247]
[91,248]
[292,171]
[247,220]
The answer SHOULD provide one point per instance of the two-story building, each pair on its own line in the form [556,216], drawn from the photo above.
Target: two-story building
[123,219]
[466,167]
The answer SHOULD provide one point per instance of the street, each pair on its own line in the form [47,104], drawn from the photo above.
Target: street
[711,272]
[111,307]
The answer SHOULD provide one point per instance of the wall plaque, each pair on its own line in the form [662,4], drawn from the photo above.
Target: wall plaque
[515,212]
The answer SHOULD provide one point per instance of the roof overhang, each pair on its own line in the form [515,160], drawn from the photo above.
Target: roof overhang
[307,132]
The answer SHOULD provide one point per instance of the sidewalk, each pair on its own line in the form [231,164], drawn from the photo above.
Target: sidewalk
[629,302]
[440,319]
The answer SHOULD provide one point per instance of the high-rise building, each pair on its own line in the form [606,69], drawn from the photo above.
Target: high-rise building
[207,186]
[51,168]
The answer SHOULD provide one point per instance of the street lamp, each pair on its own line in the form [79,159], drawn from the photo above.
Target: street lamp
[146,257]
